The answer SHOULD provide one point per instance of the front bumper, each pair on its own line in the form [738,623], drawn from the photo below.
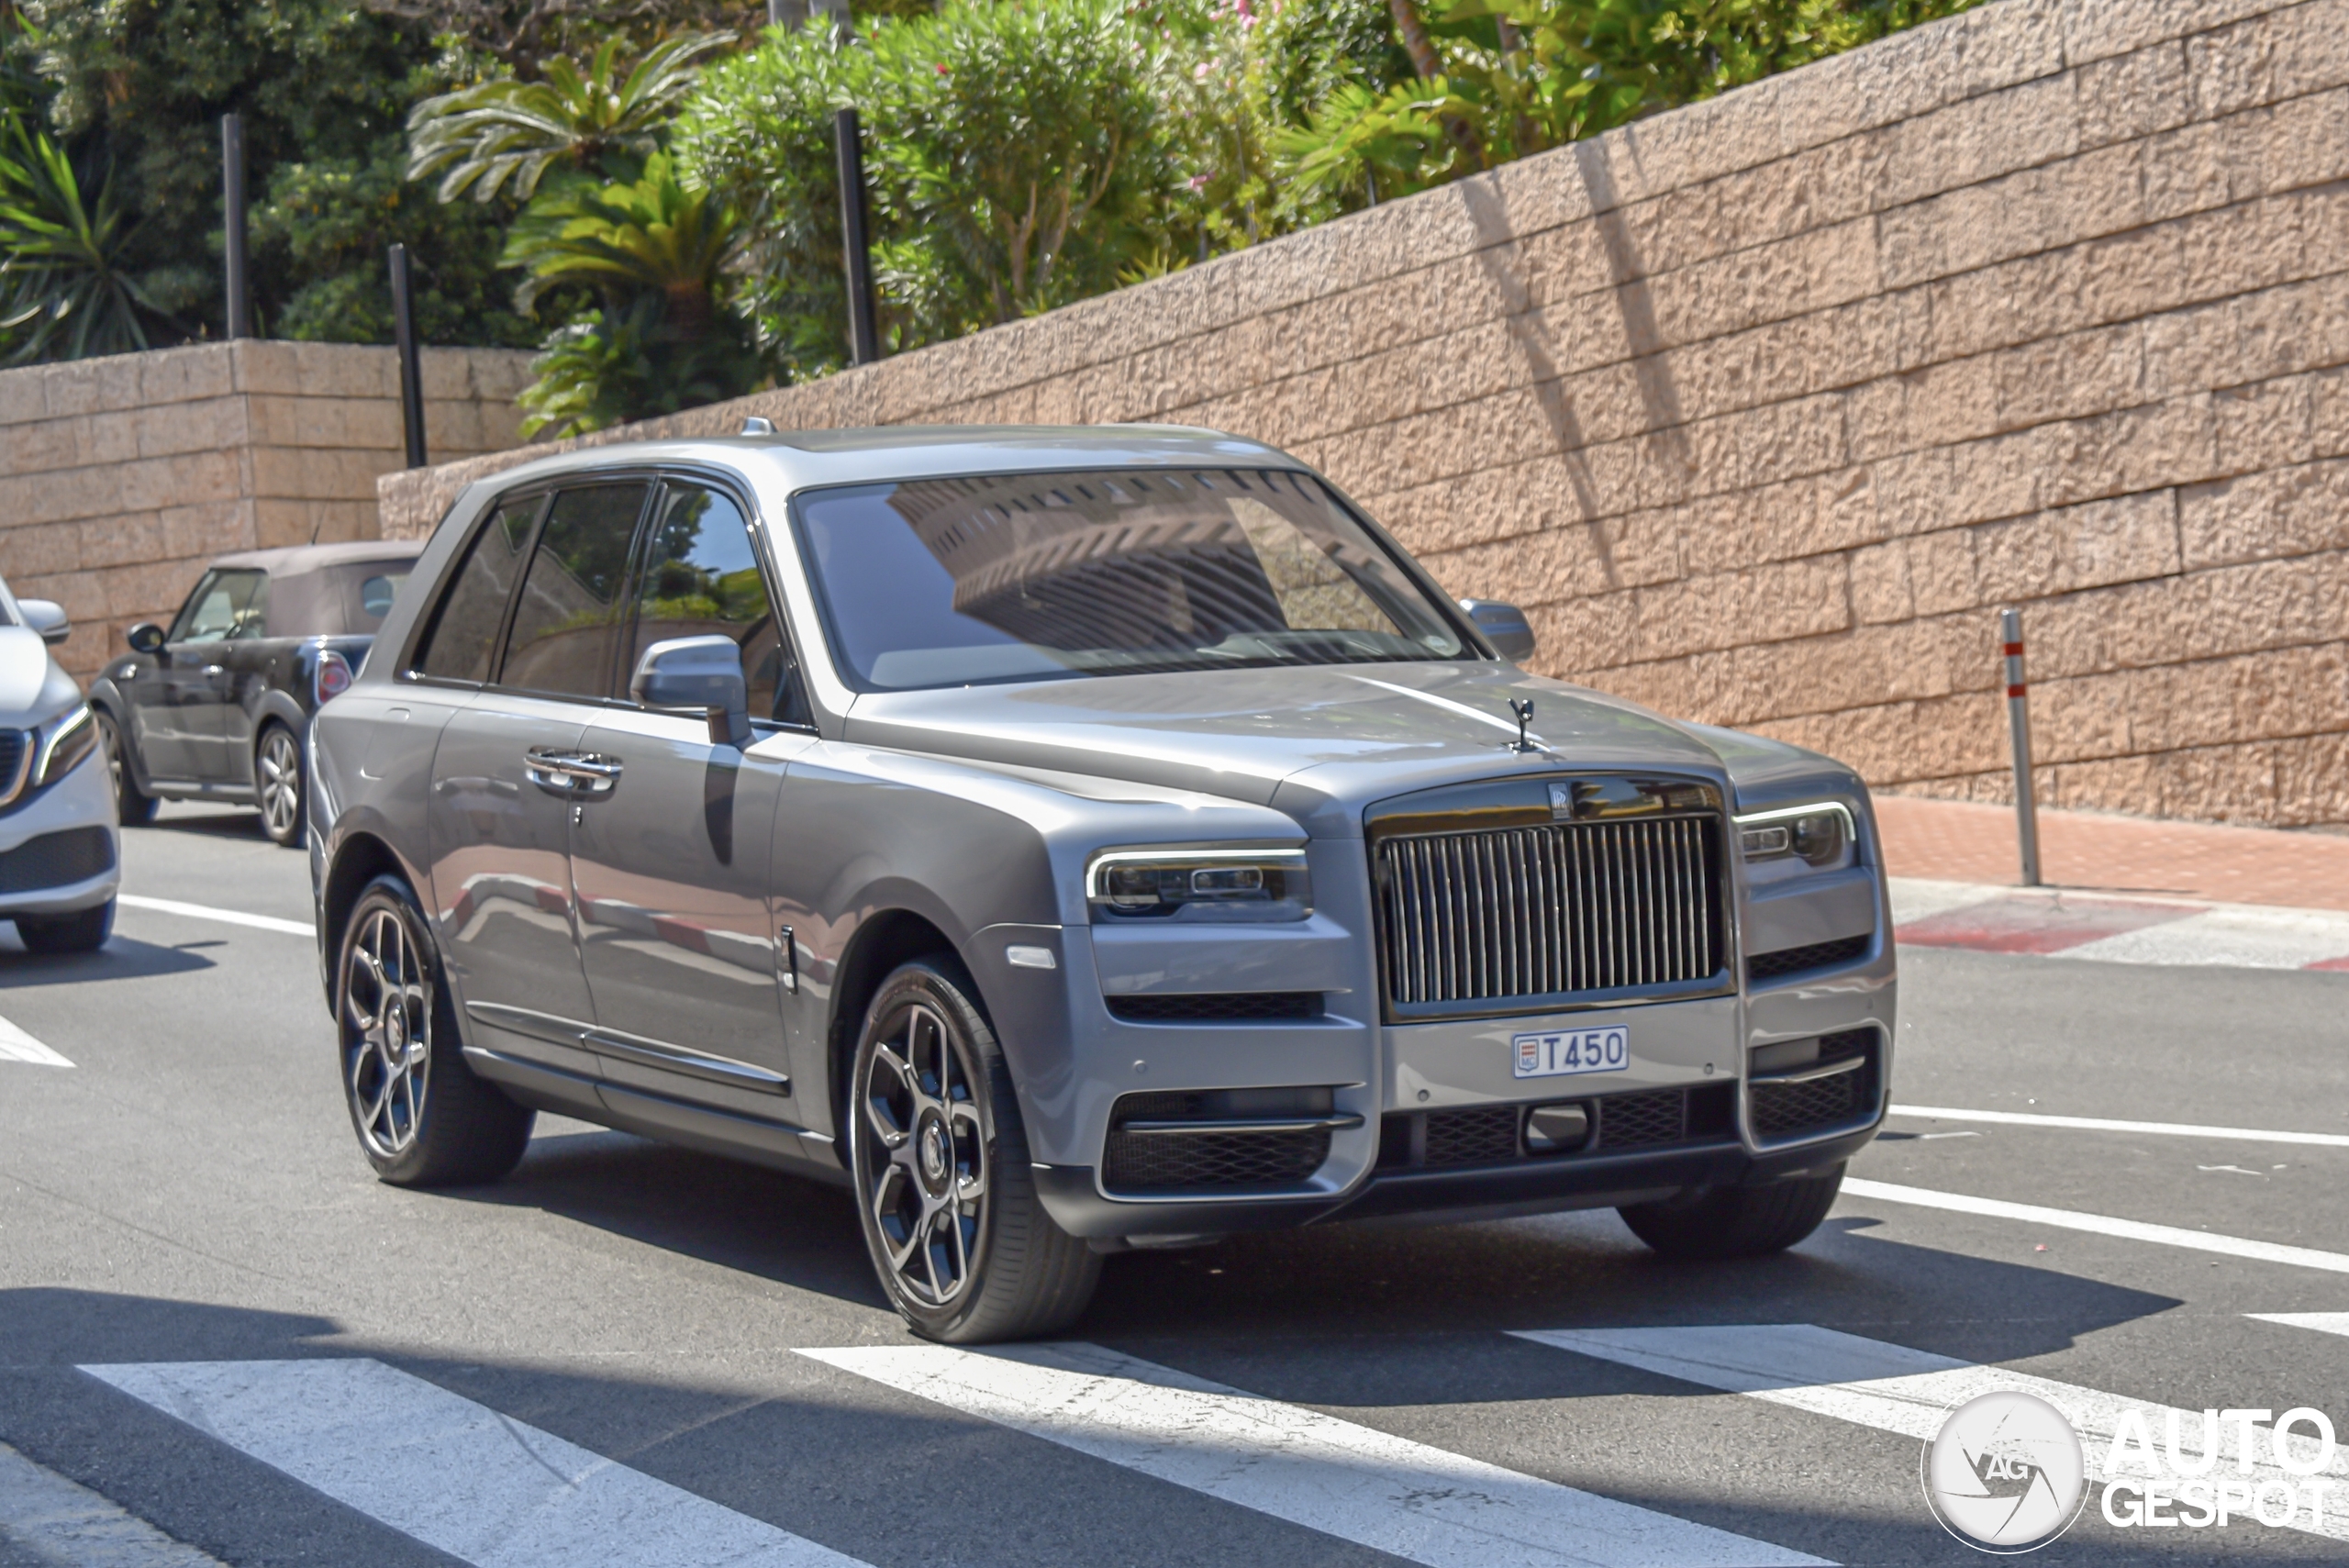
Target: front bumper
[1599,1181]
[79,804]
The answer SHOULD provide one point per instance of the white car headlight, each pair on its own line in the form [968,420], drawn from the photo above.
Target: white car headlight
[1820,835]
[1199,885]
[62,742]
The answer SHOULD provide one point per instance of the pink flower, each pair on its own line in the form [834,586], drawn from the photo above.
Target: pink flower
[940,68]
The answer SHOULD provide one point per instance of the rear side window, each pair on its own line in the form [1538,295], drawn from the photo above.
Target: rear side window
[366,591]
[464,634]
[702,577]
[225,606]
[570,611]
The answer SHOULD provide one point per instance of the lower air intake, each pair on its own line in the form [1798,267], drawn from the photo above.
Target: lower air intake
[1158,1163]
[1783,1110]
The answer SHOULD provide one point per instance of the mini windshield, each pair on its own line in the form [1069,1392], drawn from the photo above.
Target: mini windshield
[1024,577]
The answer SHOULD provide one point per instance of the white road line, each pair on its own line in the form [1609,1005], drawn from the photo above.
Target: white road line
[16,1045]
[2323,1322]
[226,917]
[2237,936]
[1314,1469]
[2101,1124]
[2100,1225]
[1908,1393]
[62,1522]
[455,1474]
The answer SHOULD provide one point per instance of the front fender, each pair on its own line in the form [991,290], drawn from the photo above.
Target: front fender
[104,695]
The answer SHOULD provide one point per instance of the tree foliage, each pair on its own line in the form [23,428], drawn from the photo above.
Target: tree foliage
[502,135]
[1497,80]
[63,292]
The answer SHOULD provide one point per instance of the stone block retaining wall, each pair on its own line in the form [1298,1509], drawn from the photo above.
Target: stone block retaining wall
[121,477]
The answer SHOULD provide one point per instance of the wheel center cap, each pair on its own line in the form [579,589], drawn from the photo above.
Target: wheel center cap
[395,1031]
[933,1154]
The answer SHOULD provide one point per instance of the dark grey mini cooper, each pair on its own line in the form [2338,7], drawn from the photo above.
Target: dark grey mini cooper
[1072,841]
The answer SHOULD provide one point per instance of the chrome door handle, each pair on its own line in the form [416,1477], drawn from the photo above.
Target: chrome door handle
[215,668]
[577,775]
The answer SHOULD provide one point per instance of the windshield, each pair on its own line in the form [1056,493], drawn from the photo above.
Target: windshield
[1024,577]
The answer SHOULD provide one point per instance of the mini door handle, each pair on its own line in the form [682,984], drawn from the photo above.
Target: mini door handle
[215,668]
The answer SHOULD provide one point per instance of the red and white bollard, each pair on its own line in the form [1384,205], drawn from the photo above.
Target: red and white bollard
[2018,722]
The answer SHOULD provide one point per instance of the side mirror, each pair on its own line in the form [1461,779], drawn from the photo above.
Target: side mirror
[145,638]
[1504,625]
[698,674]
[46,616]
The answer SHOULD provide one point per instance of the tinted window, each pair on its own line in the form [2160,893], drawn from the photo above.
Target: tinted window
[462,637]
[701,577]
[569,612]
[368,590]
[226,606]
[947,582]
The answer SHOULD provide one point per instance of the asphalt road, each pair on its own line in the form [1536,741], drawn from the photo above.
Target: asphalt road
[184,1208]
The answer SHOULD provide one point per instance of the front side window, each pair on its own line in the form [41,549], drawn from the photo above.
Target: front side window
[463,637]
[566,620]
[702,577]
[1024,577]
[225,606]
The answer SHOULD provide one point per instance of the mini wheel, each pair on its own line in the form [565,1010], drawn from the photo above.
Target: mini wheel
[277,785]
[133,807]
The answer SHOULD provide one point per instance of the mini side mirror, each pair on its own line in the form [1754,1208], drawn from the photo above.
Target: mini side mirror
[697,674]
[1504,625]
[145,638]
[46,616]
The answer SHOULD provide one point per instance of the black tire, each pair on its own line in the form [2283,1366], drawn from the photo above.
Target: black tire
[134,807]
[281,786]
[964,1261]
[423,1119]
[1735,1222]
[84,931]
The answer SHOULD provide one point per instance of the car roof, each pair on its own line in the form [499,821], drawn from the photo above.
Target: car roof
[294,560]
[807,459]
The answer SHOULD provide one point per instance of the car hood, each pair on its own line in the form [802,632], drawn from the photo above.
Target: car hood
[1318,742]
[32,688]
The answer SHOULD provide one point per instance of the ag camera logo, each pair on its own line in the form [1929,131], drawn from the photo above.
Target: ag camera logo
[2005,1473]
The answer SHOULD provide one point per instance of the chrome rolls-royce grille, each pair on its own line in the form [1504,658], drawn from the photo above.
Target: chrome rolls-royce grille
[1517,915]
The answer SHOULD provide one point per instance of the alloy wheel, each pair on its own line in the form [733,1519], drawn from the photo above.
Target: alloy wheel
[281,783]
[388,1032]
[922,1164]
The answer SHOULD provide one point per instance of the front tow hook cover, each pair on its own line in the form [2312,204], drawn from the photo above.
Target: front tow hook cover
[1552,1129]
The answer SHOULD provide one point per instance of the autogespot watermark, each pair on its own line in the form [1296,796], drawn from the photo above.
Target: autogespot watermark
[2007,1471]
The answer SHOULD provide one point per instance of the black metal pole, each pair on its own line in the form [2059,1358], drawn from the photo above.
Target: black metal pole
[411,369]
[232,213]
[863,336]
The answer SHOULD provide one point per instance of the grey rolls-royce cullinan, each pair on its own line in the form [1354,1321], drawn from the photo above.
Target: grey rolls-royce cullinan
[1072,841]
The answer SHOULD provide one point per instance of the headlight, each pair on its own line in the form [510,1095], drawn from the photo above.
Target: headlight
[63,741]
[1199,885]
[1821,835]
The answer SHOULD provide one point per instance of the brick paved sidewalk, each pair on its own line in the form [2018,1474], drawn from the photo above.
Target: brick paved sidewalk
[1956,841]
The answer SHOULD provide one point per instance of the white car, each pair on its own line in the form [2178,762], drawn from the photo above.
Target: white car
[60,861]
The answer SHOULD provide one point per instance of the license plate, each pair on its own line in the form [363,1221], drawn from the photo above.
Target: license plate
[1572,1050]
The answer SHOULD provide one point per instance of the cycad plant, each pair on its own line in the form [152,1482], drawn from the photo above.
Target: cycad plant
[505,135]
[64,293]
[657,252]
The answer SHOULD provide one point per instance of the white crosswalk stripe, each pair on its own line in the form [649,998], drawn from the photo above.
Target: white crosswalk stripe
[1909,1392]
[2100,1225]
[455,1474]
[60,1521]
[16,1045]
[1299,1464]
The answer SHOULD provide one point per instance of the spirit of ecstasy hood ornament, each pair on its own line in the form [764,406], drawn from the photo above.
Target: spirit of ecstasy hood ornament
[1523,708]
